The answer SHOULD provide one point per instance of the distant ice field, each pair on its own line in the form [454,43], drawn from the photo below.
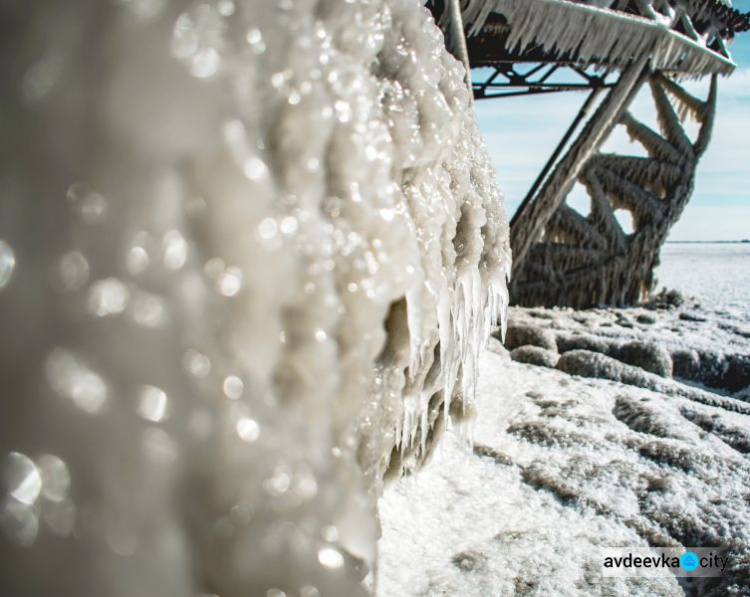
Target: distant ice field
[718,274]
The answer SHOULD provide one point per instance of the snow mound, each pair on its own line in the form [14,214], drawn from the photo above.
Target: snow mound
[250,253]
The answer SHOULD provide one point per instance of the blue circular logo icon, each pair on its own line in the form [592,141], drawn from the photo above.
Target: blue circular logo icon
[689,561]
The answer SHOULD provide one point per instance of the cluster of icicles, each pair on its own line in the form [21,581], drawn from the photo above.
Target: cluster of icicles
[598,31]
[249,253]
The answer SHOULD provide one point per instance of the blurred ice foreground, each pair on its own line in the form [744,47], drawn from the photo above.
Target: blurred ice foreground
[249,254]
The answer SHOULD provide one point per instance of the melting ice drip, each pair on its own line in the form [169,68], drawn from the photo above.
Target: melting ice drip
[250,252]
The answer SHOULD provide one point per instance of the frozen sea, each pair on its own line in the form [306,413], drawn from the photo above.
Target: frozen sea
[717,273]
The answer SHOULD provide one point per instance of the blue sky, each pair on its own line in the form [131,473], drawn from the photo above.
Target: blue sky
[521,133]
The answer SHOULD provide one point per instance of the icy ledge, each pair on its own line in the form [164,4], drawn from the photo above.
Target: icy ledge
[250,254]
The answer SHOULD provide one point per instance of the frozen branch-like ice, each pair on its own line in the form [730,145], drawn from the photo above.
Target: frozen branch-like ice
[250,252]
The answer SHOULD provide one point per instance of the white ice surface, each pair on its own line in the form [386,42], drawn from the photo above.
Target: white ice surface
[717,273]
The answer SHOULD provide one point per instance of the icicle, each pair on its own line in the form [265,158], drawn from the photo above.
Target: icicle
[596,30]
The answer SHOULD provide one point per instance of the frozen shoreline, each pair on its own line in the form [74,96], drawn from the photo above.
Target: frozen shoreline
[564,465]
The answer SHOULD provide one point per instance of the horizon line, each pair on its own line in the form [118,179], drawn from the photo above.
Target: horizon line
[709,242]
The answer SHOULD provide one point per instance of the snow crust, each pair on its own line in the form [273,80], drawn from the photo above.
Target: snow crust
[250,253]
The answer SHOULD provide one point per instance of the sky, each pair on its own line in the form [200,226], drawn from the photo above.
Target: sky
[521,134]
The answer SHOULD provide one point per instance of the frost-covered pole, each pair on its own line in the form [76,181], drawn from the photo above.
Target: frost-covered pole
[458,38]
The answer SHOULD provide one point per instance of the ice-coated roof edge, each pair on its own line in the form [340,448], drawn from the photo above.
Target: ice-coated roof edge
[593,33]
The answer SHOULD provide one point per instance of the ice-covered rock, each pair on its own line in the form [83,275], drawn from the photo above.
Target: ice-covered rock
[669,299]
[535,355]
[648,356]
[525,335]
[593,364]
[709,350]
[730,372]
[582,341]
[250,251]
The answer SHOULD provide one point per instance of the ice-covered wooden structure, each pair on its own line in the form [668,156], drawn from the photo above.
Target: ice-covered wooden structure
[613,48]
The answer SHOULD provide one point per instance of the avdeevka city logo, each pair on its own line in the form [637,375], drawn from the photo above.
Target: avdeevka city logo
[689,561]
[653,561]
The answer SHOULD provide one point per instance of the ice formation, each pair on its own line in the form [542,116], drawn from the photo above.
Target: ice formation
[601,30]
[583,258]
[563,256]
[250,252]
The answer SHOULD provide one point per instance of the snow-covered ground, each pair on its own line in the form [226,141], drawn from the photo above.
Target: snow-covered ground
[563,465]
